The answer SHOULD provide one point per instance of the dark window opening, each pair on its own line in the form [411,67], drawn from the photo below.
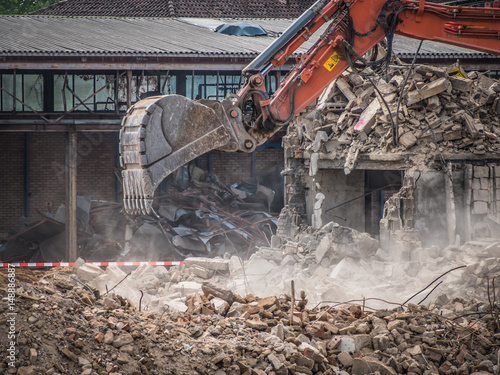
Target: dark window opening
[380,185]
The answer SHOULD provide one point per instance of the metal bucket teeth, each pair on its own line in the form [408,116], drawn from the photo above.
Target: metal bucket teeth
[159,135]
[136,197]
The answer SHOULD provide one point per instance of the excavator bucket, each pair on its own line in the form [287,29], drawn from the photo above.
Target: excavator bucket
[160,134]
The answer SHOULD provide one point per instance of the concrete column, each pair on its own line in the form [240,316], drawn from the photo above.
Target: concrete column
[71,196]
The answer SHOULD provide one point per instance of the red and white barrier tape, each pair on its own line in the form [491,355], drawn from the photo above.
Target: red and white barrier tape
[100,264]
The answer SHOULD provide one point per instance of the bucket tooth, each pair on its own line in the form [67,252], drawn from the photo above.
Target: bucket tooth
[160,134]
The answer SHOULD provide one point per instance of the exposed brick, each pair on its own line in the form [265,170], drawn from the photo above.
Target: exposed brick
[97,157]
[95,173]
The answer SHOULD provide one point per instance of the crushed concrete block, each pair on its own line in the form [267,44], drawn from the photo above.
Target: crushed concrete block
[367,118]
[216,264]
[186,287]
[236,310]
[353,343]
[428,90]
[115,273]
[381,342]
[461,84]
[288,260]
[89,272]
[313,167]
[345,358]
[162,273]
[202,272]
[345,88]
[258,266]
[369,365]
[321,137]
[323,247]
[141,271]
[78,263]
[408,140]
[220,306]
[216,290]
[493,250]
[175,305]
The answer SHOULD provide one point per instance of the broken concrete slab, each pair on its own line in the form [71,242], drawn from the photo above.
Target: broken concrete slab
[215,264]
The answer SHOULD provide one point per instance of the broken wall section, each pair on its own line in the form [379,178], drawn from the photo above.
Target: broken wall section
[423,124]
[442,209]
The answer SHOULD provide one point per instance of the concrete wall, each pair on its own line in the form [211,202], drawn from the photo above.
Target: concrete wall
[339,188]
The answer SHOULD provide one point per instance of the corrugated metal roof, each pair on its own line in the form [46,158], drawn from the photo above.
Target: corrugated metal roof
[54,35]
[117,35]
[179,8]
[194,8]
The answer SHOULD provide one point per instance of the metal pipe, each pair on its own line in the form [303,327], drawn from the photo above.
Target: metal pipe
[266,55]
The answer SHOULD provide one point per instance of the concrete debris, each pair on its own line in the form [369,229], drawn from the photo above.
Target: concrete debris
[435,112]
[74,331]
[203,218]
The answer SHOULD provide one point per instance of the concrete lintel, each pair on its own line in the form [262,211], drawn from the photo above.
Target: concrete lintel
[78,125]
[399,161]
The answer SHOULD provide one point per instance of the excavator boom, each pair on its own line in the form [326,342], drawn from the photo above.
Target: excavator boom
[160,134]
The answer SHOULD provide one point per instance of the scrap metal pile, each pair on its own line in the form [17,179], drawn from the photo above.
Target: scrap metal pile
[199,217]
[426,110]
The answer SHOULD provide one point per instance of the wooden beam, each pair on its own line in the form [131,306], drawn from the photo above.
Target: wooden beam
[71,196]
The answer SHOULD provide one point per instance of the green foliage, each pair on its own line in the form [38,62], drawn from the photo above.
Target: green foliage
[23,6]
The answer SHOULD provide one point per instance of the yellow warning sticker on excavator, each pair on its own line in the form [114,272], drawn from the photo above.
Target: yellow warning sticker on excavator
[332,61]
[457,72]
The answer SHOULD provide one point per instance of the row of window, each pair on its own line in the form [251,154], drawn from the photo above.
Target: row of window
[108,92]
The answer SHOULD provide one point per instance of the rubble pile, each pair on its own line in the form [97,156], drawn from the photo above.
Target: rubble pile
[438,110]
[334,264]
[64,327]
[339,264]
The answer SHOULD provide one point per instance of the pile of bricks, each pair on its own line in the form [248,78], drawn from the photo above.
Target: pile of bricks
[64,328]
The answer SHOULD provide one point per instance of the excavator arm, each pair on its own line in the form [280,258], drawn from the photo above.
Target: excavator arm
[160,134]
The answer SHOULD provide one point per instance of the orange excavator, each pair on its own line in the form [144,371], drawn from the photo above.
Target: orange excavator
[160,134]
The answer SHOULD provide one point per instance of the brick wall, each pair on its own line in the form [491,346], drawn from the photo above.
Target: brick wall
[235,166]
[231,167]
[95,174]
[47,175]
[11,180]
[97,154]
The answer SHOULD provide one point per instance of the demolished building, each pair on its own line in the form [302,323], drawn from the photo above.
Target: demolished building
[411,156]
